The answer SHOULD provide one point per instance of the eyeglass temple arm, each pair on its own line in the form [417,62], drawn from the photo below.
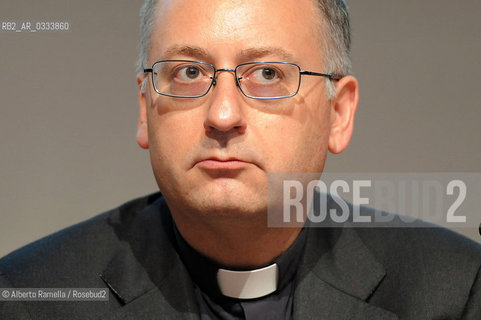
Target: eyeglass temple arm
[148,70]
[331,76]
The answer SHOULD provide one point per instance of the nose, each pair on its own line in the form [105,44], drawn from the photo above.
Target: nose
[225,112]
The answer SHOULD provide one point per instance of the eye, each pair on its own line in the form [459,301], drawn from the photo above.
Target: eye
[265,74]
[268,74]
[188,73]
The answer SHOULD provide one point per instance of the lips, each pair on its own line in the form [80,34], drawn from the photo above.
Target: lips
[214,163]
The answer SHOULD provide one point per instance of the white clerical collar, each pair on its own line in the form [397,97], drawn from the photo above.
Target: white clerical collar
[248,284]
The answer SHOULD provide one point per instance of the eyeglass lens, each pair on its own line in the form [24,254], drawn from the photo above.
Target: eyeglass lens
[256,80]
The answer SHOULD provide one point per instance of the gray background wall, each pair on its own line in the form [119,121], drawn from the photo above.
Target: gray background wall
[68,106]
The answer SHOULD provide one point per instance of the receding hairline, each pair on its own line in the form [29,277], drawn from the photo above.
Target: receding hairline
[254,52]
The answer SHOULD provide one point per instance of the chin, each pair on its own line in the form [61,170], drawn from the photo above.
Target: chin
[242,195]
[228,200]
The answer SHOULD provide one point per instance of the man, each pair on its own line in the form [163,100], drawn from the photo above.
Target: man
[230,91]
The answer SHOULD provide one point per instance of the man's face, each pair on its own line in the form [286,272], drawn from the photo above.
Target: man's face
[212,154]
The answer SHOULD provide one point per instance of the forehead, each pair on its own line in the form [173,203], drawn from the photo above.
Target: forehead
[234,27]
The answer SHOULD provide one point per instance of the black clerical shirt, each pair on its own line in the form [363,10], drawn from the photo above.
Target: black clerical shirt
[214,305]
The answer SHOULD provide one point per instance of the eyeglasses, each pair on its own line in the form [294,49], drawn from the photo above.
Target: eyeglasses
[256,80]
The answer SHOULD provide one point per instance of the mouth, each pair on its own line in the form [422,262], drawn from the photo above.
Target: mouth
[222,164]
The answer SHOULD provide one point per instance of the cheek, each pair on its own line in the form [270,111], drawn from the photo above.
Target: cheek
[171,137]
[302,142]
[304,150]
[170,142]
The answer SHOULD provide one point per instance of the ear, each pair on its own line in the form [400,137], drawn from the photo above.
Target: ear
[344,107]
[142,130]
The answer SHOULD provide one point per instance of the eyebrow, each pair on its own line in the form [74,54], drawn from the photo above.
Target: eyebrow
[256,53]
[186,50]
[246,54]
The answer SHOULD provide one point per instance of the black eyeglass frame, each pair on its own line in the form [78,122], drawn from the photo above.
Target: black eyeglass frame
[330,76]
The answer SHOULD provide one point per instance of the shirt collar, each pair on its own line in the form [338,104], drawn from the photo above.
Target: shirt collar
[206,274]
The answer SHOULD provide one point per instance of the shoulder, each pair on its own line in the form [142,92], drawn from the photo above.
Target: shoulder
[428,271]
[431,243]
[426,266]
[73,255]
[391,237]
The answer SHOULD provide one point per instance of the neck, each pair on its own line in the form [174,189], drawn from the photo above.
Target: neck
[233,242]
